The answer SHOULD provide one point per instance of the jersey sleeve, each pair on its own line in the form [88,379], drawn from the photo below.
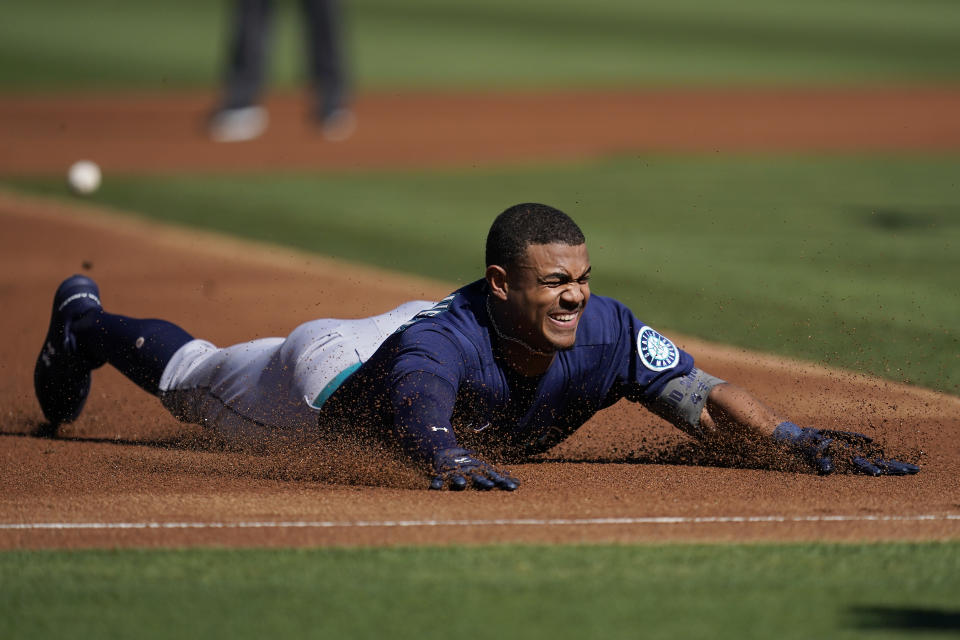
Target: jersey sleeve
[647,359]
[660,376]
[423,383]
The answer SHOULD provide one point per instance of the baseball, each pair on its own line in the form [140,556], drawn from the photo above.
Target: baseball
[84,177]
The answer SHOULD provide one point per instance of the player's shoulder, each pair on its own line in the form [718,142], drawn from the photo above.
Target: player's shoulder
[457,316]
[606,306]
[604,320]
[612,325]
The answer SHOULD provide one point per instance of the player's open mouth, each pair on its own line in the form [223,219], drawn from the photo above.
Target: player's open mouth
[565,319]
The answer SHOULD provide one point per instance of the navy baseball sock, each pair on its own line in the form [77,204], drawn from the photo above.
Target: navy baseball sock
[139,349]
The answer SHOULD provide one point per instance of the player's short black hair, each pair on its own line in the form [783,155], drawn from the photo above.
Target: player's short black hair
[529,223]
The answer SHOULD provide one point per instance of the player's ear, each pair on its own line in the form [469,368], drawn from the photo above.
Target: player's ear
[496,277]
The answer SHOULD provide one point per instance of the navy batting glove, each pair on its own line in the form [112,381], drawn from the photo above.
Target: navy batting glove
[458,470]
[819,446]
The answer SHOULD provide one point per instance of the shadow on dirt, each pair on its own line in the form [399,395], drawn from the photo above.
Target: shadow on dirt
[362,463]
[46,432]
[295,457]
[350,460]
[749,454]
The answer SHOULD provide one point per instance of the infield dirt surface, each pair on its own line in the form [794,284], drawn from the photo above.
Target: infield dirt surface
[126,461]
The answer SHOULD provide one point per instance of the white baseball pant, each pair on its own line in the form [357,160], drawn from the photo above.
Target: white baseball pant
[257,388]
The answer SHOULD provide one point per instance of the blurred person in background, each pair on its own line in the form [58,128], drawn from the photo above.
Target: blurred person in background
[240,116]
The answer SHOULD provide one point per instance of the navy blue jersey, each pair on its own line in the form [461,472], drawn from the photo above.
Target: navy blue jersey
[438,381]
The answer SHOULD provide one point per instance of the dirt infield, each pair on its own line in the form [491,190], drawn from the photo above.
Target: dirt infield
[126,474]
[122,465]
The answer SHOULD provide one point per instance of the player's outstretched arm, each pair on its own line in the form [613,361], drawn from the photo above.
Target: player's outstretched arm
[733,411]
[458,469]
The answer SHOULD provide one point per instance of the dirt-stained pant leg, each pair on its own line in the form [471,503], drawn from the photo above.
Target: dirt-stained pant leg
[266,386]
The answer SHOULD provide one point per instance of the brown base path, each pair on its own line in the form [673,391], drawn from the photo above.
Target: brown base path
[124,475]
[164,132]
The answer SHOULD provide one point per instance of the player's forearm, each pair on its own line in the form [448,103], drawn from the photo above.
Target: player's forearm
[422,406]
[731,409]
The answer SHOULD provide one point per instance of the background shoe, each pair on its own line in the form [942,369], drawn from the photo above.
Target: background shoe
[61,378]
[238,124]
[338,125]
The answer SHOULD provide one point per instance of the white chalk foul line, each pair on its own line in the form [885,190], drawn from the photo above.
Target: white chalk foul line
[546,522]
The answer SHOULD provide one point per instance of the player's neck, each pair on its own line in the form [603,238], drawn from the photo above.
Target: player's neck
[518,354]
[524,362]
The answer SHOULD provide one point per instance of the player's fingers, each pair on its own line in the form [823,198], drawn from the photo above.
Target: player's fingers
[896,468]
[865,466]
[824,465]
[504,481]
[457,482]
[480,481]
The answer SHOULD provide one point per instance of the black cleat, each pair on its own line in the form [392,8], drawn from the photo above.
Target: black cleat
[61,377]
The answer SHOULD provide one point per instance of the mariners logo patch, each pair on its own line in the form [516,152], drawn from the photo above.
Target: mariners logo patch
[656,350]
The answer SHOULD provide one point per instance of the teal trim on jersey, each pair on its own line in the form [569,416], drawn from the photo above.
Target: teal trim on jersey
[333,385]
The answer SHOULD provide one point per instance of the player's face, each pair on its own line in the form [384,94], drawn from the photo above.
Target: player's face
[547,293]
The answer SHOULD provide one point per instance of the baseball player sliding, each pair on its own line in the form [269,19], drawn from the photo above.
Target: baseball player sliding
[501,369]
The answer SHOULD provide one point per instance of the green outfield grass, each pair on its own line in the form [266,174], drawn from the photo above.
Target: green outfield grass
[849,261]
[99,44]
[679,591]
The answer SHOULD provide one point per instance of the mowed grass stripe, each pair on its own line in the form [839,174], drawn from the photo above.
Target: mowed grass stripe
[469,43]
[608,591]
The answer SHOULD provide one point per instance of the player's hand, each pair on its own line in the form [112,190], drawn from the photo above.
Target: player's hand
[823,448]
[459,470]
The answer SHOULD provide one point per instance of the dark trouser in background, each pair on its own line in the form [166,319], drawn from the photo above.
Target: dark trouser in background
[248,53]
